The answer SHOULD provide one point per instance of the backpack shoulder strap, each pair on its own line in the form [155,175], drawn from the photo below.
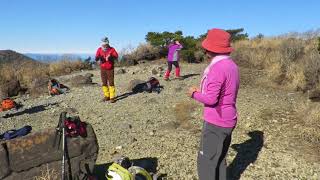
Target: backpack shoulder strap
[115,170]
[136,170]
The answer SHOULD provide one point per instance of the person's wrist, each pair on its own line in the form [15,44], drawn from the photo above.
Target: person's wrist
[192,95]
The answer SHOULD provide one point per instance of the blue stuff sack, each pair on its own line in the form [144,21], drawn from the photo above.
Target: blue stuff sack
[11,134]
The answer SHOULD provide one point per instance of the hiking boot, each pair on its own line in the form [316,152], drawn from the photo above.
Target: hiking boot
[112,100]
[105,99]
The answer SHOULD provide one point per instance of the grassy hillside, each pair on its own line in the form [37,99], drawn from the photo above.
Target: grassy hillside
[14,65]
[292,63]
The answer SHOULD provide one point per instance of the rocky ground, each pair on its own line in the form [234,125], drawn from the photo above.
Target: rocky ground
[165,128]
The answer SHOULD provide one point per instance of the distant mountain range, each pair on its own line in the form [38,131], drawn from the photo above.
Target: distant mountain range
[58,57]
[12,57]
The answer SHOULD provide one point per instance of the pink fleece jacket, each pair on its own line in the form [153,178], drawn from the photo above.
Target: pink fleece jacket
[219,89]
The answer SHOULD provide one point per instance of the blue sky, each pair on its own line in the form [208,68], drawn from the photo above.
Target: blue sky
[69,26]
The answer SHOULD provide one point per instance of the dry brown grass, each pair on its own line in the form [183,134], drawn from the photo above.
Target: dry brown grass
[65,67]
[7,72]
[289,62]
[306,131]
[183,113]
[309,118]
[26,73]
[47,174]
[292,64]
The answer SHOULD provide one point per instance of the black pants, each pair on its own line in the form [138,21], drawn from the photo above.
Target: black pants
[175,63]
[214,145]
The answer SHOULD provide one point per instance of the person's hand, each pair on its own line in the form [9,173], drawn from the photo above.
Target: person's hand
[107,57]
[192,90]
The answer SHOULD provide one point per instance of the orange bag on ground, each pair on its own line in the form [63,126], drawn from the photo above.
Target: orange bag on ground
[7,104]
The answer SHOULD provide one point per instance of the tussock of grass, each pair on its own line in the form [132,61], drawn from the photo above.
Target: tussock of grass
[183,113]
[306,131]
[47,174]
[309,123]
[289,62]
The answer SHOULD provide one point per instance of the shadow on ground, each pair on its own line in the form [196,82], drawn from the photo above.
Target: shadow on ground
[139,88]
[150,164]
[125,95]
[31,110]
[188,76]
[248,152]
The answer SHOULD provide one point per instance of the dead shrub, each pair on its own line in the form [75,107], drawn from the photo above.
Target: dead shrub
[146,52]
[7,73]
[127,60]
[65,67]
[142,52]
[311,64]
[48,174]
[28,73]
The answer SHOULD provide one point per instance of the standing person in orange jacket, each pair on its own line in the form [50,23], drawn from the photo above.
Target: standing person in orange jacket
[105,56]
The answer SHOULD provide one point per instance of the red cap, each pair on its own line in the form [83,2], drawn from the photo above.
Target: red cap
[217,41]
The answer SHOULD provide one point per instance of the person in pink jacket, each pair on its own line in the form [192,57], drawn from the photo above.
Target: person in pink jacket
[173,59]
[218,92]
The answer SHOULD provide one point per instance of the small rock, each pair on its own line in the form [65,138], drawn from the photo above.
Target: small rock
[160,68]
[314,95]
[88,75]
[114,152]
[119,147]
[79,80]
[178,89]
[121,71]
[154,72]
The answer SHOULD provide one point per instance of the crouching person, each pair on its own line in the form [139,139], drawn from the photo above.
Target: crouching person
[56,88]
[105,56]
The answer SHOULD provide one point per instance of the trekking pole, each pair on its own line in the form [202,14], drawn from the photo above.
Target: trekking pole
[63,151]
[58,133]
[63,117]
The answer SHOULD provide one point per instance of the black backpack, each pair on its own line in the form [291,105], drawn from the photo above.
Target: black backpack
[152,85]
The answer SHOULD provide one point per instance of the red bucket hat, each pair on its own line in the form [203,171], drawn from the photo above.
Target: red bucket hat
[217,41]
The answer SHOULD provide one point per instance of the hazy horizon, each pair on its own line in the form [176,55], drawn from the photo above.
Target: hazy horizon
[77,26]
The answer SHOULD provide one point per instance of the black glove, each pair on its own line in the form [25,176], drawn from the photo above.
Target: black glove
[101,59]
